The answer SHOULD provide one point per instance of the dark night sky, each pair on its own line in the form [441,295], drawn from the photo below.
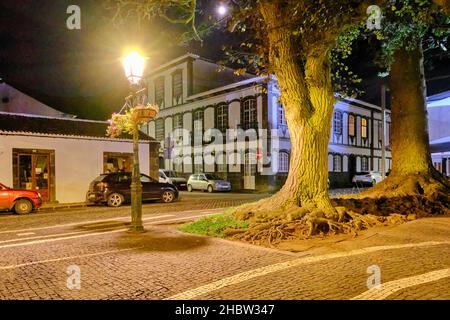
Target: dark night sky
[76,71]
[79,71]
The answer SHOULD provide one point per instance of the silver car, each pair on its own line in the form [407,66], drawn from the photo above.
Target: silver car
[207,181]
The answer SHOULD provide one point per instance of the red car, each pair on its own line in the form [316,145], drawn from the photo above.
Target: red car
[21,201]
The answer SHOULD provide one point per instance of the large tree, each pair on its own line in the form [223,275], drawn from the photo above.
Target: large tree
[292,40]
[414,184]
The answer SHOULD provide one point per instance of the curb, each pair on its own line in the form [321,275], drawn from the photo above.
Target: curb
[64,206]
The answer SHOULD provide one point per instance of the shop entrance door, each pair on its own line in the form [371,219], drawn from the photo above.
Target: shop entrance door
[34,173]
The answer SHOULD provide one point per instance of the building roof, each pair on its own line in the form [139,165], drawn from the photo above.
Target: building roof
[33,124]
[439,100]
[440,145]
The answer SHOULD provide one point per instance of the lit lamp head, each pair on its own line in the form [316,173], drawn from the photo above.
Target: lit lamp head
[134,65]
[222,10]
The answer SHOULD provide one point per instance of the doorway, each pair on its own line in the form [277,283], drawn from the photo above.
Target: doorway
[33,170]
[351,167]
[249,171]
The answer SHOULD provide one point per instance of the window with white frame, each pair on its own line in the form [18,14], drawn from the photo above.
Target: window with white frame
[221,161]
[198,167]
[198,127]
[337,122]
[159,92]
[337,163]
[222,117]
[159,129]
[178,121]
[177,87]
[364,164]
[178,164]
[250,114]
[380,133]
[283,162]
[281,116]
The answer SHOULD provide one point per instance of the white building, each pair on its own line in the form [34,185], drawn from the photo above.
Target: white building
[59,156]
[194,96]
[438,106]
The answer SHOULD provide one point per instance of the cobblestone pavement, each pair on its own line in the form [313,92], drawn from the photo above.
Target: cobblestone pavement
[37,252]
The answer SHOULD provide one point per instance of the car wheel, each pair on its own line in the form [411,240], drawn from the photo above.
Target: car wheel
[210,189]
[23,206]
[115,200]
[168,196]
[189,188]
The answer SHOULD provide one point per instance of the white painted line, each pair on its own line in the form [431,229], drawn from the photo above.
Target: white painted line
[258,272]
[81,234]
[391,287]
[14,266]
[52,235]
[83,222]
[25,234]
[124,218]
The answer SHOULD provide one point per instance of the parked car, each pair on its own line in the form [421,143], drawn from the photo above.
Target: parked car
[367,177]
[208,182]
[114,189]
[21,201]
[170,176]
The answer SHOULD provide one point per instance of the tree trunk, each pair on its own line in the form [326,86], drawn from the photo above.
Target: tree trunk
[308,100]
[410,141]
[414,185]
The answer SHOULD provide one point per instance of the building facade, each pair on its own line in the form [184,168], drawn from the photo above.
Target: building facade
[204,108]
[438,107]
[60,157]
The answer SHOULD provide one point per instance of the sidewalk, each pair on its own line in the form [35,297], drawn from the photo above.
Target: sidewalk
[57,206]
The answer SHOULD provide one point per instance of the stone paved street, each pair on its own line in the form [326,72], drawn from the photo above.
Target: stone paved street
[36,251]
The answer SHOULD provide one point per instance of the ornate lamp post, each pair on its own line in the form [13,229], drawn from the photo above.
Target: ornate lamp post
[134,69]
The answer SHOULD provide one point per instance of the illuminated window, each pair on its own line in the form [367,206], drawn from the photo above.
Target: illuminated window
[363,128]
[351,125]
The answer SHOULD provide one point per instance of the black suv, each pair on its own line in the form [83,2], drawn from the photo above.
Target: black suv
[115,188]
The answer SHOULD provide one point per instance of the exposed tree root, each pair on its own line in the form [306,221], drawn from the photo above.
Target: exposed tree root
[419,194]
[269,228]
[394,201]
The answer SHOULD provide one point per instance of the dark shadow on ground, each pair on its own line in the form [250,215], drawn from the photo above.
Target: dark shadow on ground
[154,240]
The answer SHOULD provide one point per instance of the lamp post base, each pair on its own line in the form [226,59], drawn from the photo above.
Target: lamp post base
[136,229]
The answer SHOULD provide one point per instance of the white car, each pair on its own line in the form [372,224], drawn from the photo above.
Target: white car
[367,177]
[170,176]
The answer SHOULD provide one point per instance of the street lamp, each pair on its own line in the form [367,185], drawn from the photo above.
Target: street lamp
[134,65]
[222,9]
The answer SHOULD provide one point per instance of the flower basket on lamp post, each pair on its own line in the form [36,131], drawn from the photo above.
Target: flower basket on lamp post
[144,114]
